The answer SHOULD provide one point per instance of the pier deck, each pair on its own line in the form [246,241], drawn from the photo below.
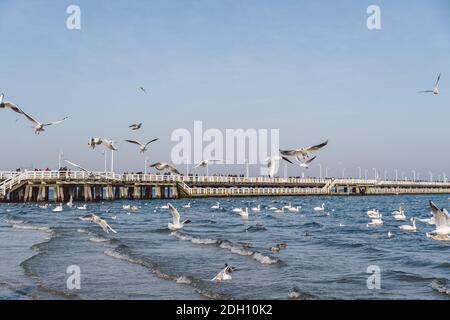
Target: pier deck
[36,186]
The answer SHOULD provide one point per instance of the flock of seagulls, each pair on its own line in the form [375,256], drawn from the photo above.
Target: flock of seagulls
[440,218]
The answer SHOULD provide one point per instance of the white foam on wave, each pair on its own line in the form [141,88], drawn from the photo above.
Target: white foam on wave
[233,248]
[13,221]
[98,239]
[30,227]
[117,255]
[183,280]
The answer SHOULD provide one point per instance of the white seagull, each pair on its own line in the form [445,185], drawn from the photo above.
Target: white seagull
[442,219]
[176,225]
[435,91]
[101,222]
[164,166]
[271,163]
[9,105]
[142,147]
[303,152]
[205,163]
[40,127]
[306,163]
[107,143]
[224,274]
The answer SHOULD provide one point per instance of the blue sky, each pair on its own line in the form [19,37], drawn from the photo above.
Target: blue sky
[310,68]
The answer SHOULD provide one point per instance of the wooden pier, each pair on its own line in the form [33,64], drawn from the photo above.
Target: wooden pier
[58,186]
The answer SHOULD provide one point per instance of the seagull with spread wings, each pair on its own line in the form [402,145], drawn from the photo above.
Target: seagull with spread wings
[305,164]
[90,173]
[435,91]
[9,105]
[164,166]
[107,143]
[272,161]
[101,222]
[303,152]
[40,127]
[442,218]
[142,147]
[176,225]
[135,126]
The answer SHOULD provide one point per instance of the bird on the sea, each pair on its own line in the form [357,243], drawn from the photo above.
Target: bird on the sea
[9,105]
[83,207]
[278,247]
[303,152]
[376,221]
[142,147]
[407,227]
[187,206]
[164,166]
[176,225]
[58,208]
[101,222]
[40,127]
[374,213]
[136,126]
[442,219]
[271,163]
[390,234]
[257,208]
[216,206]
[224,275]
[305,164]
[399,214]
[435,91]
[321,208]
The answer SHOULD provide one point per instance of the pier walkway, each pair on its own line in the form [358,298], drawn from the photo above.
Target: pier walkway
[60,186]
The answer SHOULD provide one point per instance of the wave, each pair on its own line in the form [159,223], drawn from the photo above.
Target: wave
[12,221]
[99,239]
[121,252]
[230,246]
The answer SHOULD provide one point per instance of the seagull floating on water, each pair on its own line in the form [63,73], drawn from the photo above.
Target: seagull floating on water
[224,275]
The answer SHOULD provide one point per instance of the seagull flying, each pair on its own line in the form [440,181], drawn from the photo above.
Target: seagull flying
[176,225]
[143,90]
[306,163]
[9,105]
[101,222]
[142,147]
[272,161]
[135,126]
[303,152]
[164,166]
[205,163]
[442,218]
[39,127]
[435,91]
[107,143]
